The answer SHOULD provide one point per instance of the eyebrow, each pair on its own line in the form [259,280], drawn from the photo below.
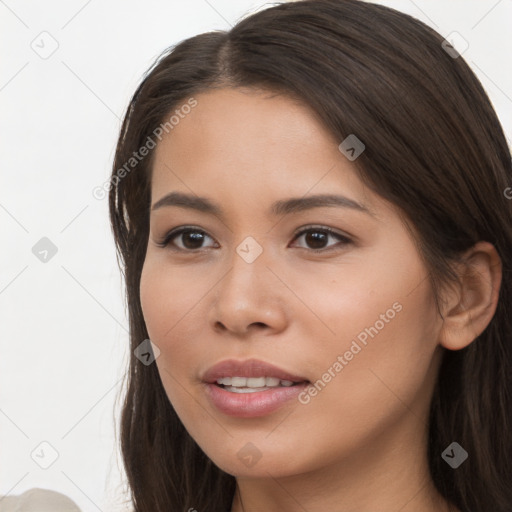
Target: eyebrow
[282,207]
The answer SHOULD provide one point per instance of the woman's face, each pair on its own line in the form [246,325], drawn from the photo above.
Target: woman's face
[350,312]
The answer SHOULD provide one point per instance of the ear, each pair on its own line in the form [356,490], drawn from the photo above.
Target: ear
[470,306]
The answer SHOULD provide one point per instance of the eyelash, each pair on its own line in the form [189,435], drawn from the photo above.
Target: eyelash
[190,229]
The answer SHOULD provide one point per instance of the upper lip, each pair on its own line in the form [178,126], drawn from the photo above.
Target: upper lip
[248,368]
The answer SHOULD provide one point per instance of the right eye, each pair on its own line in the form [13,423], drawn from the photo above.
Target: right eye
[191,239]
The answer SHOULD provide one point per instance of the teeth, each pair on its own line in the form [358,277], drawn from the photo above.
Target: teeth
[253,382]
[272,381]
[239,382]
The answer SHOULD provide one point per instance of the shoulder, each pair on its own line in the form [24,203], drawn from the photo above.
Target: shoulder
[38,500]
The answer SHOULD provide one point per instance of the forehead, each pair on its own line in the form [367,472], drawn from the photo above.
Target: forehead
[239,122]
[252,144]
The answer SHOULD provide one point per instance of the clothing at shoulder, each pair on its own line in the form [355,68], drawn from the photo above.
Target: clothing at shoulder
[38,500]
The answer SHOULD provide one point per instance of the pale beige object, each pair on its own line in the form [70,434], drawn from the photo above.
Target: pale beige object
[38,500]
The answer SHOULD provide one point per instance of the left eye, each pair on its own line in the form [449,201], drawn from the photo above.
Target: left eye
[316,238]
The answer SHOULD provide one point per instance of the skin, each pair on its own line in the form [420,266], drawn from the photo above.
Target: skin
[359,444]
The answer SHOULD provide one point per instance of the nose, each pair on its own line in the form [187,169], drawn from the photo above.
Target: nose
[249,299]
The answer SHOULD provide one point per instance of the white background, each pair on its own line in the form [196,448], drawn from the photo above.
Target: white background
[63,339]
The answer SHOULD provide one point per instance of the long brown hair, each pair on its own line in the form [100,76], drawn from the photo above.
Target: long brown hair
[434,148]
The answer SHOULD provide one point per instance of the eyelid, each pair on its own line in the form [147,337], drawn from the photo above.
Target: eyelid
[320,227]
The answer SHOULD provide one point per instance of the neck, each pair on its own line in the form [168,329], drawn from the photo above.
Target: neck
[387,475]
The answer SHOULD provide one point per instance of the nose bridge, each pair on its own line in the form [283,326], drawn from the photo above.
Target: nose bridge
[248,293]
[247,278]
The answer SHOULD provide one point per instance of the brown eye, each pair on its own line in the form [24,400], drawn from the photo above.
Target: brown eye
[190,239]
[317,239]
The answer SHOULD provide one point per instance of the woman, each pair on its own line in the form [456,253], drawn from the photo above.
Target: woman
[311,220]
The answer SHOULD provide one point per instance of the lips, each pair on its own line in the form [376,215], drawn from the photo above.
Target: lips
[249,368]
[250,402]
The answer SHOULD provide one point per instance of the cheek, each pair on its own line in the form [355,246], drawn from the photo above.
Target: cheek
[161,310]
[376,368]
[173,305]
[342,300]
[379,332]
[169,297]
[167,312]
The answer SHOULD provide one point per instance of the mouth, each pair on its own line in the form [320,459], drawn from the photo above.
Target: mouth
[254,384]
[250,388]
[250,374]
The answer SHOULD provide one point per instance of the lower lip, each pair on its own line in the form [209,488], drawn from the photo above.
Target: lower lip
[251,405]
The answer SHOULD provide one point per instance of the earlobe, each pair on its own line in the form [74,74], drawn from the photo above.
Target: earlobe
[470,306]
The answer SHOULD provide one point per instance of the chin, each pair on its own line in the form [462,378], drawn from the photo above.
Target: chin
[252,462]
